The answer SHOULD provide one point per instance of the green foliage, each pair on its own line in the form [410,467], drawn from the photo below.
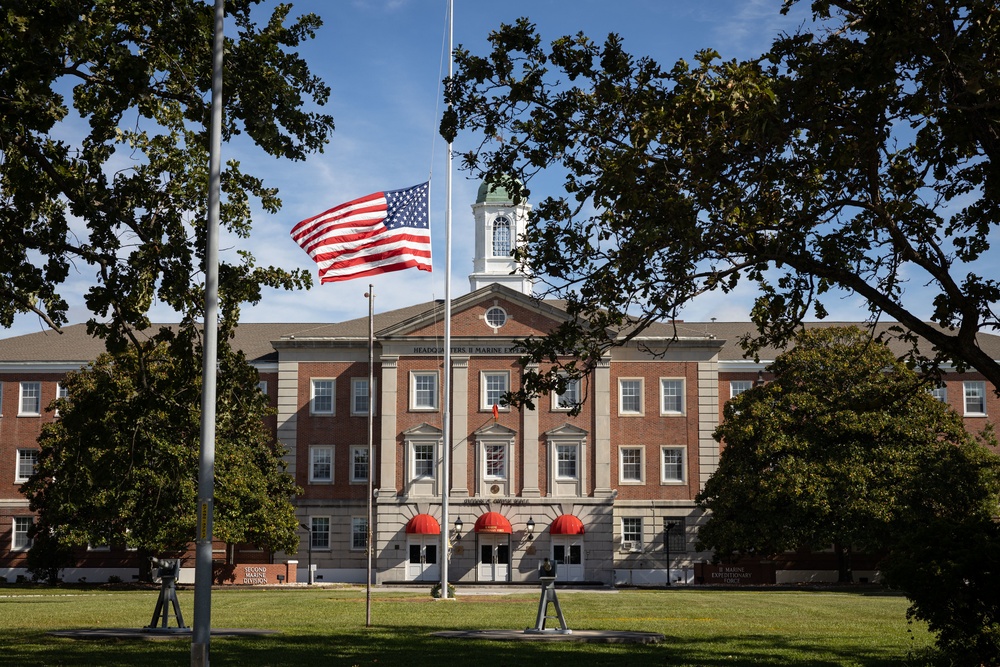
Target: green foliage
[847,446]
[859,153]
[120,464]
[48,555]
[105,109]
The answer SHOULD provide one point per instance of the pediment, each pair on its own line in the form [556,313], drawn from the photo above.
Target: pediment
[424,429]
[496,431]
[567,430]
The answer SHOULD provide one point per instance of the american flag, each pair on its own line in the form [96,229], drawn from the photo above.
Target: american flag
[385,231]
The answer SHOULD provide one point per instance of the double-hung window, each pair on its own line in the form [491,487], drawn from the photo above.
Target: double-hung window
[359,533]
[631,533]
[630,465]
[27,459]
[940,393]
[423,390]
[737,387]
[570,397]
[494,385]
[322,398]
[20,540]
[321,464]
[630,396]
[495,460]
[30,404]
[567,457]
[423,461]
[975,397]
[671,396]
[319,532]
[360,396]
[672,467]
[359,463]
[675,534]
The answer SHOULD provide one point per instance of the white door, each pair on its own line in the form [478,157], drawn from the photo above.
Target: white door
[567,552]
[494,557]
[422,563]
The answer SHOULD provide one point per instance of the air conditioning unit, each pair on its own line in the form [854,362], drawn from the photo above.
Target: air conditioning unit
[630,546]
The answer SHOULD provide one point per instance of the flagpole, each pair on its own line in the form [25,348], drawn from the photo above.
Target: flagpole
[371,459]
[202,632]
[446,439]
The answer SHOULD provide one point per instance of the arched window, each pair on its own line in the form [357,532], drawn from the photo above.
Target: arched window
[501,237]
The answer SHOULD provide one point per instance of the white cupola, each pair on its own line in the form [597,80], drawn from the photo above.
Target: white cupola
[500,225]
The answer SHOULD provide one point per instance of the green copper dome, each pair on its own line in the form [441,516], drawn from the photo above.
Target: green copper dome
[497,195]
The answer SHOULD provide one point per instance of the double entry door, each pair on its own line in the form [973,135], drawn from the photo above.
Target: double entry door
[567,552]
[422,564]
[494,557]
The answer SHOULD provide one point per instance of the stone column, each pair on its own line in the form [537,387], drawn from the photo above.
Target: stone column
[386,481]
[459,427]
[602,428]
[529,440]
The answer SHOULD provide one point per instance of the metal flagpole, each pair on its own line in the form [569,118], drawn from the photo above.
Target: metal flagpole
[201,636]
[446,440]
[369,546]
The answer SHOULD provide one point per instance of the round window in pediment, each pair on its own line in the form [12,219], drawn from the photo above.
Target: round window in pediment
[496,317]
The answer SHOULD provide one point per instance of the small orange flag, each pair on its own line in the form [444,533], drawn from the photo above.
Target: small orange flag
[496,412]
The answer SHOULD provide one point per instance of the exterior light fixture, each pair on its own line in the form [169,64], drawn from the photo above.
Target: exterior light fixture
[531,528]
[458,528]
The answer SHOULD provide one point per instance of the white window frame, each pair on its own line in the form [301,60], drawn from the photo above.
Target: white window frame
[262,387]
[363,450]
[415,377]
[940,393]
[315,452]
[641,395]
[504,450]
[568,448]
[681,385]
[34,395]
[663,464]
[632,539]
[975,390]
[509,241]
[622,479]
[316,529]
[359,529]
[737,387]
[569,399]
[495,317]
[19,540]
[423,447]
[22,453]
[356,384]
[321,411]
[484,381]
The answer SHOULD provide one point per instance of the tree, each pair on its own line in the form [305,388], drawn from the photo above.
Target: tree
[104,114]
[847,447]
[119,465]
[860,155]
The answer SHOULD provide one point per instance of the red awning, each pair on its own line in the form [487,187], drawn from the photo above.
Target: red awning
[493,522]
[566,524]
[423,524]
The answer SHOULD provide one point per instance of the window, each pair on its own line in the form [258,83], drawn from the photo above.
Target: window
[675,534]
[940,393]
[501,237]
[423,391]
[360,396]
[672,397]
[630,396]
[20,540]
[673,465]
[359,464]
[262,387]
[975,398]
[319,533]
[566,459]
[423,461]
[61,392]
[570,397]
[494,384]
[359,533]
[495,459]
[737,387]
[496,317]
[631,533]
[27,459]
[630,464]
[322,397]
[321,464]
[31,398]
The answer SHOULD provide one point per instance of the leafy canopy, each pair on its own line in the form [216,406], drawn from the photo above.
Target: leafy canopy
[104,115]
[860,153]
[120,463]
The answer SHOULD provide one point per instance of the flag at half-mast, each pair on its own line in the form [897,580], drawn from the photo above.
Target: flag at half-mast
[385,231]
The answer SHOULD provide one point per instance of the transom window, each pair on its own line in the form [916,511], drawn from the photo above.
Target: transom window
[673,464]
[566,460]
[501,236]
[975,398]
[630,396]
[31,398]
[631,464]
[424,391]
[495,385]
[672,393]
[321,464]
[27,460]
[321,402]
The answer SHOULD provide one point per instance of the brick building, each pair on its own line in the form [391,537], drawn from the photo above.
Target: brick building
[609,493]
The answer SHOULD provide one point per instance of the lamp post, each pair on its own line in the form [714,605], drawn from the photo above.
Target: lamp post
[531,528]
[667,527]
[309,548]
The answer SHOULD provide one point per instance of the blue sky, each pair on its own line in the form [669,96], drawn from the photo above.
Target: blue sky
[384,60]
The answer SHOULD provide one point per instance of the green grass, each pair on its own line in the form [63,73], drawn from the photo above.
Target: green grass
[326,626]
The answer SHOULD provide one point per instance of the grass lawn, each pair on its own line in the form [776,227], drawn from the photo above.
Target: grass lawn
[326,626]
